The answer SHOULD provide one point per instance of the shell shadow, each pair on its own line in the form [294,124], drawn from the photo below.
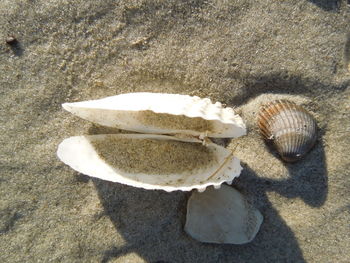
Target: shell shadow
[16,48]
[307,177]
[327,5]
[283,83]
[151,222]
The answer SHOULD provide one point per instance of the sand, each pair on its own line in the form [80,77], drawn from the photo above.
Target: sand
[240,53]
[157,157]
[173,122]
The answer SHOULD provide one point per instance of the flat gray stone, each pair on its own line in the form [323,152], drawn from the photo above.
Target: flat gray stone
[221,216]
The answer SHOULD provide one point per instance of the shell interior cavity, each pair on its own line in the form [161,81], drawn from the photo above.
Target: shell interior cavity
[153,161]
[221,216]
[291,127]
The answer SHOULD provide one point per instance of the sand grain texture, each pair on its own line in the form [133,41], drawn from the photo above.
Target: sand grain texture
[229,51]
[151,156]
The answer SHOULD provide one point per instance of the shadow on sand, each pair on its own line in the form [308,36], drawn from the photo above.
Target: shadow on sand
[151,222]
[283,83]
[328,5]
[16,48]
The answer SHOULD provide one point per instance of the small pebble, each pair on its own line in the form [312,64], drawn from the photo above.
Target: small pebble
[11,40]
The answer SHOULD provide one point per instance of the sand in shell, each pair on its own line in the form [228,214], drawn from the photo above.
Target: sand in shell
[168,121]
[151,156]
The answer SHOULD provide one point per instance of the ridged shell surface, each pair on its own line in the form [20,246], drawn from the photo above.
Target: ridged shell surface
[161,113]
[151,161]
[292,129]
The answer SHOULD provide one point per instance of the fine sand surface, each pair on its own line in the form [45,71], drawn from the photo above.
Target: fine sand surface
[241,53]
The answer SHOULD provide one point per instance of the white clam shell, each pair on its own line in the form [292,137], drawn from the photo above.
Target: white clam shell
[82,154]
[161,113]
[221,216]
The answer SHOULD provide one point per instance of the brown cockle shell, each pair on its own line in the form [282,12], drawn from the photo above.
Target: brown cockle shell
[291,128]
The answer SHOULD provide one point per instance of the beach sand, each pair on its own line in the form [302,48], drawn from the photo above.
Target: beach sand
[240,53]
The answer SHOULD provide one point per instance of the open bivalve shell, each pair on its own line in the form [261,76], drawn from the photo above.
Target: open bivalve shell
[161,113]
[222,216]
[153,161]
